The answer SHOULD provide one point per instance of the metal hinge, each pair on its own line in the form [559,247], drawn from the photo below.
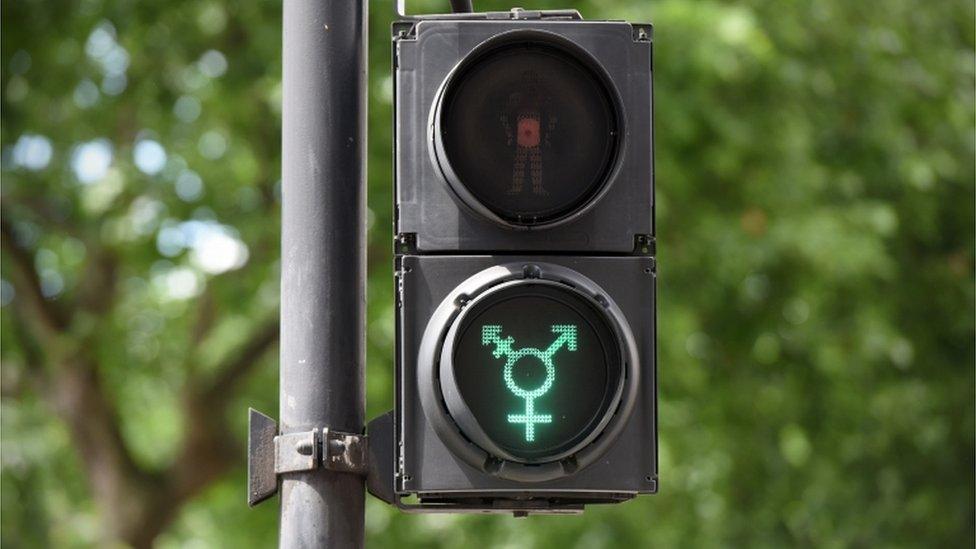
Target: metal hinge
[270,454]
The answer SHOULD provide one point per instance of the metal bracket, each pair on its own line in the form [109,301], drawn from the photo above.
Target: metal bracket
[269,455]
[514,13]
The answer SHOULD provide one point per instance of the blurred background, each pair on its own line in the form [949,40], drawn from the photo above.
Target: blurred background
[815,210]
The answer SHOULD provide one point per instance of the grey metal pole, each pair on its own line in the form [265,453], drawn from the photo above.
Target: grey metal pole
[323,259]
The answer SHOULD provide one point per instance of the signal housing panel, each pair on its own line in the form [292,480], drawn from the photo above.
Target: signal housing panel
[434,469]
[432,216]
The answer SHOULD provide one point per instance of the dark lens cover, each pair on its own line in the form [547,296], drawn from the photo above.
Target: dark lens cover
[530,130]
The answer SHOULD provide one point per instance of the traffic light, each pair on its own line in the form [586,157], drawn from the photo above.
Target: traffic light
[525,262]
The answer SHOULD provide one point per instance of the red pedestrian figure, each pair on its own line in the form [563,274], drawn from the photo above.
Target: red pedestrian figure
[527,108]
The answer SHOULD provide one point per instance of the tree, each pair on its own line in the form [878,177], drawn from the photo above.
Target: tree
[815,207]
[124,267]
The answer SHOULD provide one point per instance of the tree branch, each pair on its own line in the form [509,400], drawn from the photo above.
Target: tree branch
[239,363]
[117,482]
[34,370]
[50,318]
[96,291]
[73,388]
[205,317]
[209,448]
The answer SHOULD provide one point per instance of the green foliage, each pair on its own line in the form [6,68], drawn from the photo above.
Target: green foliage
[815,210]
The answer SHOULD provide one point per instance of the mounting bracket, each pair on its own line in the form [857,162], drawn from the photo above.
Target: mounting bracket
[270,454]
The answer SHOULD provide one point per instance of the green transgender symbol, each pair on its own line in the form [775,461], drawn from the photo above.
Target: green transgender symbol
[492,335]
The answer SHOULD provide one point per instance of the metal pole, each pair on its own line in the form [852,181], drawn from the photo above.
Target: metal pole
[323,259]
[462,6]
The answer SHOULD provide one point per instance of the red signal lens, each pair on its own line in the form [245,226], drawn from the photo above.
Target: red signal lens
[528,131]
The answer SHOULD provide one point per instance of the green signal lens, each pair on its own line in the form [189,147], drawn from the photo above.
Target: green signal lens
[537,367]
[491,335]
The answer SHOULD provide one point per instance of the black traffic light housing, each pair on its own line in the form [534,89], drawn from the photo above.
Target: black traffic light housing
[434,213]
[439,460]
[526,339]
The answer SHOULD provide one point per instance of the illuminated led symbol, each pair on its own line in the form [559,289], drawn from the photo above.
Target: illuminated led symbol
[492,335]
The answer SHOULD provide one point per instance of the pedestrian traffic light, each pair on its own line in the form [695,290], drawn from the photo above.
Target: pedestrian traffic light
[525,263]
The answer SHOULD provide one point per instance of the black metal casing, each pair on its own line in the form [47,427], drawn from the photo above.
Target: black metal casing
[430,219]
[442,245]
[430,468]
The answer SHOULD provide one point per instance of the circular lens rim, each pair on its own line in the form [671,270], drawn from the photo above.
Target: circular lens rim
[465,417]
[442,328]
[441,159]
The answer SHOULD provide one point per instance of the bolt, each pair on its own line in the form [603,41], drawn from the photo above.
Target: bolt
[337,447]
[304,448]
